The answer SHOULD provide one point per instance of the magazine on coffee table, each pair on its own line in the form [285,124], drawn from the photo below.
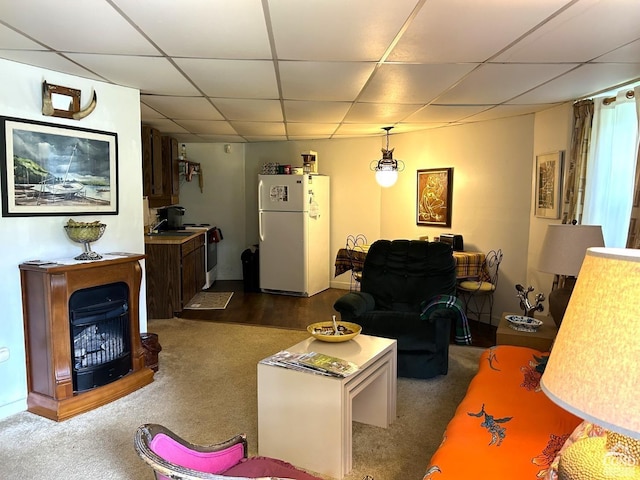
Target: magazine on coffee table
[312,362]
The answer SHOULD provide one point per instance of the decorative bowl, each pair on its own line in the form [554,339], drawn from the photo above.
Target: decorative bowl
[85,233]
[522,323]
[89,232]
[324,331]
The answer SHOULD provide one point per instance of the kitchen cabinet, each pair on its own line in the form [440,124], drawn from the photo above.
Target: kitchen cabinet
[160,172]
[175,272]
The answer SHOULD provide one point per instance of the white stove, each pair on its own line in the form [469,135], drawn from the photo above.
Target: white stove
[210,251]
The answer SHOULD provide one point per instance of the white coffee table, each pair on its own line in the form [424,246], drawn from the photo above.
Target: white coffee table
[305,419]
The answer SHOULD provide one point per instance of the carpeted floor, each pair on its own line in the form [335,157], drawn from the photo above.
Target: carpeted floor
[205,391]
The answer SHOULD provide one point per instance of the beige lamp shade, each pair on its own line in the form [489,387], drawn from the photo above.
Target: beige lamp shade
[565,245]
[594,367]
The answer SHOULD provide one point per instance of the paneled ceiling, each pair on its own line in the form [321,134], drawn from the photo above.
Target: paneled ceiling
[262,70]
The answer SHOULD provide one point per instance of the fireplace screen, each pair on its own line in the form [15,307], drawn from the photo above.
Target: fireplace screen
[100,336]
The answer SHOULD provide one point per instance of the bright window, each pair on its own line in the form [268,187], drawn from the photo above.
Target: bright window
[611,167]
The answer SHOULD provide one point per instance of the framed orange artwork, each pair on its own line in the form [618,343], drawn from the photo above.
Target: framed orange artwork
[434,197]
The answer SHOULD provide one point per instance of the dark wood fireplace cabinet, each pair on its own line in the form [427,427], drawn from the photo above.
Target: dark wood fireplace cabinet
[82,334]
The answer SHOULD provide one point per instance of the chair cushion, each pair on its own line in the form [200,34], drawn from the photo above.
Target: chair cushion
[474,286]
[209,462]
[267,467]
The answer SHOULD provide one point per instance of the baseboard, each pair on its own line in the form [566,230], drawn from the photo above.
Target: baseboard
[341,285]
[13,408]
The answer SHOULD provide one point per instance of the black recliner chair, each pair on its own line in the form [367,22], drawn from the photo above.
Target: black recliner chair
[400,278]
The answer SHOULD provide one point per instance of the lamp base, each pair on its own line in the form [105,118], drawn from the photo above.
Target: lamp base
[600,458]
[559,299]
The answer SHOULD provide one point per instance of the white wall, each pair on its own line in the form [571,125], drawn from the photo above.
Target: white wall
[221,202]
[552,133]
[25,238]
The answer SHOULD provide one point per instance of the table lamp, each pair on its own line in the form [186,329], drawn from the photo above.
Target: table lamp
[594,367]
[562,252]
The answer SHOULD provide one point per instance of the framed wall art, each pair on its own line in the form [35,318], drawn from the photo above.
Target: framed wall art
[548,184]
[434,197]
[57,170]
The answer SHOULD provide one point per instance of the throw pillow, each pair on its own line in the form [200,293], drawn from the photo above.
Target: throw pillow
[267,467]
[584,430]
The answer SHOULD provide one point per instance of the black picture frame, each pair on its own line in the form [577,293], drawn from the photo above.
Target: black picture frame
[57,170]
[434,197]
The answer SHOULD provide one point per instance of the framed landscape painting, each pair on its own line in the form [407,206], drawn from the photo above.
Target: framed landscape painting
[57,170]
[548,184]
[434,196]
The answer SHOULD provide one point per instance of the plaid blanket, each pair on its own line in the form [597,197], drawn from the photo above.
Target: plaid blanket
[463,333]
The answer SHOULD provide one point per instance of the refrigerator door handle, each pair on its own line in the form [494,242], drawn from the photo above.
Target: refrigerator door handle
[260,226]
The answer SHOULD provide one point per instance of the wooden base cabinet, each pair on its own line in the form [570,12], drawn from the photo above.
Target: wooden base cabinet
[46,291]
[175,273]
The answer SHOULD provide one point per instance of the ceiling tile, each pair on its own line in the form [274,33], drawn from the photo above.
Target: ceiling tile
[148,113]
[323,112]
[443,29]
[223,29]
[331,81]
[582,82]
[581,33]
[412,84]
[441,113]
[11,40]
[189,108]
[232,78]
[220,139]
[265,138]
[148,74]
[72,26]
[209,127]
[166,126]
[382,113]
[259,129]
[496,83]
[206,73]
[48,60]
[630,53]
[335,30]
[249,110]
[504,111]
[359,129]
[311,129]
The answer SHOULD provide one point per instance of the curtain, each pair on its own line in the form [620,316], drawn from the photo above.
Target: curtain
[577,169]
[633,240]
[611,164]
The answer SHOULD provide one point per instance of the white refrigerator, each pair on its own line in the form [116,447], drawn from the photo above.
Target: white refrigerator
[293,221]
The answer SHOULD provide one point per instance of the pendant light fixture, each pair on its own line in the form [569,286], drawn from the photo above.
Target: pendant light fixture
[387,168]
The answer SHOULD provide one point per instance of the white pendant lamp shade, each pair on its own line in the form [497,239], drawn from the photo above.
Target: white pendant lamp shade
[387,167]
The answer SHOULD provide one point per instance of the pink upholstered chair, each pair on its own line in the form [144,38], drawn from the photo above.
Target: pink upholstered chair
[172,457]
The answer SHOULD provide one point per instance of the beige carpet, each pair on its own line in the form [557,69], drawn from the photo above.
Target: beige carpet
[205,391]
[209,301]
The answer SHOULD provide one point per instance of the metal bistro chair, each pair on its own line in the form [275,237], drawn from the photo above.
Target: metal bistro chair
[477,292]
[355,246]
[172,457]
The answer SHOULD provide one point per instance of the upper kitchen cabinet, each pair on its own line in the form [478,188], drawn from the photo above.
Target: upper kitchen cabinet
[160,168]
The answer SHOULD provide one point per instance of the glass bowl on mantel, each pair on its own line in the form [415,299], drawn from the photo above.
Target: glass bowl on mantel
[85,233]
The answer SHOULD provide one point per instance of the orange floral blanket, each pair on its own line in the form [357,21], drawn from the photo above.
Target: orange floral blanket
[505,427]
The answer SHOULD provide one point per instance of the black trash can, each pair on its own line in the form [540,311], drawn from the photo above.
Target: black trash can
[251,270]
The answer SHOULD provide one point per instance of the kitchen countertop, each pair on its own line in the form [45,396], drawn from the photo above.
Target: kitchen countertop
[170,239]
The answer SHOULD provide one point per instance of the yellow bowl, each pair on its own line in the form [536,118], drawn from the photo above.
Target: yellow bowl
[324,331]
